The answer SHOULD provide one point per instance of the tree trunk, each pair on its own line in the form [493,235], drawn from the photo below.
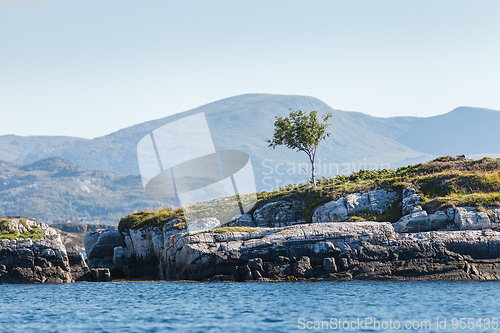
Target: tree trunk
[313,177]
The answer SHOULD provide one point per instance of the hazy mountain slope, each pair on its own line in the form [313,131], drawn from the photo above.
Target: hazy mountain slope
[391,128]
[27,149]
[244,122]
[57,189]
[465,130]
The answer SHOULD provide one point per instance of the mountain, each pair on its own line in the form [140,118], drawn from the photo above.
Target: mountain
[244,122]
[464,130]
[240,122]
[56,189]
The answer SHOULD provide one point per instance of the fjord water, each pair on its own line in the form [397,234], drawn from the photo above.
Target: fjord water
[242,307]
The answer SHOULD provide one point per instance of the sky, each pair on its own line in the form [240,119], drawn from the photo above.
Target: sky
[89,68]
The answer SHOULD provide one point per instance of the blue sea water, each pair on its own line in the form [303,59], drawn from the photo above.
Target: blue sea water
[250,307]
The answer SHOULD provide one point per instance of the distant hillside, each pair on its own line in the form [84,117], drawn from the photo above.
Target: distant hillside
[56,190]
[464,130]
[240,122]
[244,122]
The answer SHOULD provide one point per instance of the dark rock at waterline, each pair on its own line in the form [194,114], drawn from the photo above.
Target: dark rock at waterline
[101,243]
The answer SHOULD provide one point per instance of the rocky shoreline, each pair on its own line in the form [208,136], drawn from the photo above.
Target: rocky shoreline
[273,243]
[33,260]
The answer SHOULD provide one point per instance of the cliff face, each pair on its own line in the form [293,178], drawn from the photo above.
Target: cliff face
[32,252]
[324,251]
[358,250]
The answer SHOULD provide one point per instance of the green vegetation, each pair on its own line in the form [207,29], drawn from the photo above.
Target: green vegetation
[34,232]
[301,131]
[149,218]
[444,182]
[232,229]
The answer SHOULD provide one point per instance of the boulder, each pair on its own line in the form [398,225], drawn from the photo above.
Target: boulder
[101,243]
[438,220]
[100,275]
[279,214]
[356,202]
[333,211]
[410,200]
[417,221]
[381,200]
[469,218]
[495,218]
[244,220]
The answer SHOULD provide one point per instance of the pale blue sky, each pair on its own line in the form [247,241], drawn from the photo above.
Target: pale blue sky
[88,68]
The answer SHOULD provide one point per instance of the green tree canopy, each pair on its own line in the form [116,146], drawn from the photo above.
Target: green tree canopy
[301,131]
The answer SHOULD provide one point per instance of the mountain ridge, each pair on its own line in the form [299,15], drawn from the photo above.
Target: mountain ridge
[244,122]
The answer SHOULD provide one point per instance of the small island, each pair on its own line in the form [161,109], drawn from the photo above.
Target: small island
[432,221]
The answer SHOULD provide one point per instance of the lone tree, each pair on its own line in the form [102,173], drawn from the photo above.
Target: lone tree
[301,131]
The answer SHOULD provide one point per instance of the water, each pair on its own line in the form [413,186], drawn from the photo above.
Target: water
[244,307]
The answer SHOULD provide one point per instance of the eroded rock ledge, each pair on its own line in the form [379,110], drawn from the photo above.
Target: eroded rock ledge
[334,251]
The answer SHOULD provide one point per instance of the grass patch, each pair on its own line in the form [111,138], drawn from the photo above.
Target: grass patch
[146,219]
[13,234]
[232,229]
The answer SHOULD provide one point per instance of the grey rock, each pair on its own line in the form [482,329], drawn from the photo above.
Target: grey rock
[279,214]
[451,214]
[122,257]
[410,200]
[203,224]
[438,220]
[356,202]
[468,218]
[173,228]
[333,211]
[25,261]
[280,268]
[257,268]
[329,265]
[100,275]
[101,243]
[414,222]
[302,268]
[79,269]
[381,200]
[244,220]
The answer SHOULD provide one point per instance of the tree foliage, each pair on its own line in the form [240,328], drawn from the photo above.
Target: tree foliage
[301,131]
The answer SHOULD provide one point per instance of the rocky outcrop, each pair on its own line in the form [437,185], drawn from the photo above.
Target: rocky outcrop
[410,200]
[279,214]
[460,218]
[43,260]
[377,201]
[469,218]
[101,243]
[333,211]
[244,220]
[333,251]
